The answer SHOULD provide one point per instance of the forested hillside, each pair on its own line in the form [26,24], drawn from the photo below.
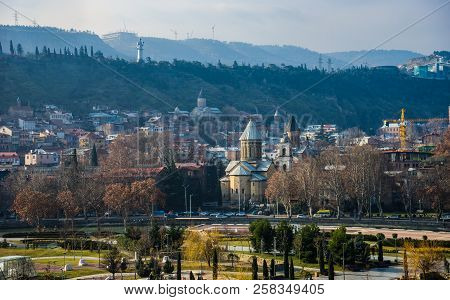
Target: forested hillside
[355,97]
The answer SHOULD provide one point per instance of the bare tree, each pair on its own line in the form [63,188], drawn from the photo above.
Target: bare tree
[305,182]
[119,198]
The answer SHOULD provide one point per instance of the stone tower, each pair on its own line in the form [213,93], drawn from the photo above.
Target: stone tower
[293,131]
[251,143]
[140,51]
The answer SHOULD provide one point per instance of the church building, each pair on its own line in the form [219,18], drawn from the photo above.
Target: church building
[245,180]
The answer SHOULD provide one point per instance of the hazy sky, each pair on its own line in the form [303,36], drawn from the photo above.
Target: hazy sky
[321,25]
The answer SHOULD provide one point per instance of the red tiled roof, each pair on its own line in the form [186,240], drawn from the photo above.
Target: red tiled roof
[9,155]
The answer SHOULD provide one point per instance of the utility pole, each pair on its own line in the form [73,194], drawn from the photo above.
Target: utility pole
[185,197]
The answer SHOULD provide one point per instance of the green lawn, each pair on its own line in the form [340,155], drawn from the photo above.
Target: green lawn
[45,252]
[74,273]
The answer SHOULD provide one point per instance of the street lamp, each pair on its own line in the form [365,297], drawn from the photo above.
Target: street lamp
[185,197]
[394,236]
[190,206]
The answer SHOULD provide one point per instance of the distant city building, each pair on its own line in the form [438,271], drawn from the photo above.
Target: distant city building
[9,159]
[202,109]
[41,158]
[27,124]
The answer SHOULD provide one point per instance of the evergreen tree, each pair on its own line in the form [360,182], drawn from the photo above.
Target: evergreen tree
[265,270]
[92,51]
[60,51]
[54,51]
[1,49]
[11,47]
[254,268]
[36,52]
[215,264]
[76,51]
[405,265]
[44,50]
[191,276]
[272,269]
[93,157]
[81,51]
[19,49]
[291,270]
[321,255]
[286,264]
[179,266]
[85,51]
[330,266]
[168,267]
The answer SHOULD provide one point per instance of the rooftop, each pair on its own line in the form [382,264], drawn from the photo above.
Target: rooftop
[250,132]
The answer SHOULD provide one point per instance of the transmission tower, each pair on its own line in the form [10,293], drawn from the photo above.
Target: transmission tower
[16,18]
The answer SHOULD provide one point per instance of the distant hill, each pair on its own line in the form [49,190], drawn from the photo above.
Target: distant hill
[54,38]
[123,45]
[212,51]
[355,97]
[375,58]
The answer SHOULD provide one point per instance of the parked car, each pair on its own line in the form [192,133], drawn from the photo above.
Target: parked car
[445,217]
[302,216]
[395,217]
[221,216]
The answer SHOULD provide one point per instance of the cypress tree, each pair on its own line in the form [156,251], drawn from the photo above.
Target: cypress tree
[330,267]
[94,157]
[272,269]
[1,49]
[291,270]
[179,266]
[191,276]
[215,264]
[85,51]
[76,51]
[286,264]
[92,51]
[405,265]
[321,257]
[54,51]
[19,49]
[44,50]
[11,47]
[36,52]
[254,269]
[60,51]
[265,270]
[380,238]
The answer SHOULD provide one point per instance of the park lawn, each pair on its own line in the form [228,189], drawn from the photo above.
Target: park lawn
[244,243]
[60,261]
[234,276]
[74,273]
[45,252]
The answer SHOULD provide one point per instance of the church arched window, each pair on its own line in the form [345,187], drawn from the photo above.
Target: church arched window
[283,152]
